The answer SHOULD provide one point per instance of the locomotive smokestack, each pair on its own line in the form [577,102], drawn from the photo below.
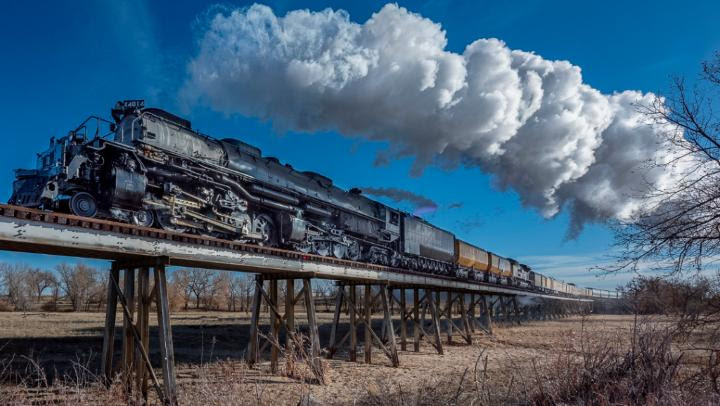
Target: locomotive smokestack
[529,121]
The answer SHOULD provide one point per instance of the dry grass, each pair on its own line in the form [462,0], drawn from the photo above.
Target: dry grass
[550,362]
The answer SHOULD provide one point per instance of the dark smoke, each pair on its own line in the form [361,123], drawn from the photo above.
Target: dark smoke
[421,204]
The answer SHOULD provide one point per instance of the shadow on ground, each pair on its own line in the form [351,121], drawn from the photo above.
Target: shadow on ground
[194,344]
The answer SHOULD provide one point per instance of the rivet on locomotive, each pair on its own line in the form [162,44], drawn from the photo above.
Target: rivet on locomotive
[152,169]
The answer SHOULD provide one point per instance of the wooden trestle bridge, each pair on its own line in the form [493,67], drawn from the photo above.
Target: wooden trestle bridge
[135,250]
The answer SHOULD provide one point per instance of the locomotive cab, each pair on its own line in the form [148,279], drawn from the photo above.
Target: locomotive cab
[31,187]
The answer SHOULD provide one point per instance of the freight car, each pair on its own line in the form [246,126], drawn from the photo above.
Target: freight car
[152,169]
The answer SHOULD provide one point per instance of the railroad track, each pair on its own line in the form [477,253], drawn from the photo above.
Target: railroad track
[76,222]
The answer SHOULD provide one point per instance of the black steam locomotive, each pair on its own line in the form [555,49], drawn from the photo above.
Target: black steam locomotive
[153,169]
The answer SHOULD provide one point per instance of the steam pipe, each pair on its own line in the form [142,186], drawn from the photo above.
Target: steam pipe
[275,194]
[257,200]
[317,210]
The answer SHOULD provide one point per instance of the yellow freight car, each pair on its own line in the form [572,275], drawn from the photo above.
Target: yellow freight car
[471,257]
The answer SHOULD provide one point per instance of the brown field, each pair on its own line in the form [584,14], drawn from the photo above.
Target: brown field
[209,348]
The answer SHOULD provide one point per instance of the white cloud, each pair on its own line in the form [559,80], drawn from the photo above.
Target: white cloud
[530,122]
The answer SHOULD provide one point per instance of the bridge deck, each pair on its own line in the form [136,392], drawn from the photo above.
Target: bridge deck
[35,231]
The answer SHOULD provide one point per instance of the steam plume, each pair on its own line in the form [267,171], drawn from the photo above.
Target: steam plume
[531,122]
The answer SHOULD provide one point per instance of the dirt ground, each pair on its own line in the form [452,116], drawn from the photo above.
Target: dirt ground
[209,347]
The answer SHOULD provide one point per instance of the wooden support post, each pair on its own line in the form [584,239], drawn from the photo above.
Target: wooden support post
[488,318]
[368,322]
[516,310]
[353,323]
[109,333]
[438,308]
[289,315]
[448,315]
[403,321]
[466,323]
[435,323]
[472,312]
[383,329]
[275,327]
[503,307]
[392,302]
[416,319]
[312,326]
[143,325]
[167,353]
[252,354]
[339,296]
[390,329]
[128,348]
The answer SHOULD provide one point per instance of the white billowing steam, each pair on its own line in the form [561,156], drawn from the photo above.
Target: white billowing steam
[531,122]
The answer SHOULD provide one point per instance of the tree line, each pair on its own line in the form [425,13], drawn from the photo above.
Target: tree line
[25,287]
[79,287]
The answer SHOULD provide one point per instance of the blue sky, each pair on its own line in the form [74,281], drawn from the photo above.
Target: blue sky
[64,61]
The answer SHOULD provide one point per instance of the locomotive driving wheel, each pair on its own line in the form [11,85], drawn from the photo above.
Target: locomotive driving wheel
[164,219]
[83,204]
[353,251]
[322,248]
[339,250]
[143,218]
[263,226]
[395,260]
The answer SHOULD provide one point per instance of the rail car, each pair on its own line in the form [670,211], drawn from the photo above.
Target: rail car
[151,168]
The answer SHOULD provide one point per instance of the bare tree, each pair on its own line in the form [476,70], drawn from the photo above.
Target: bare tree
[217,289]
[248,292]
[681,229]
[98,293]
[196,282]
[181,284]
[40,281]
[15,281]
[236,287]
[78,282]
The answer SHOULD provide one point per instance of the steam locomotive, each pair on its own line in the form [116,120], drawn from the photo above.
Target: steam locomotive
[152,169]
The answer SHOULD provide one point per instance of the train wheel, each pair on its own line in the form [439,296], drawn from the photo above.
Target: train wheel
[143,218]
[83,204]
[394,260]
[339,250]
[321,248]
[264,226]
[164,219]
[353,251]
